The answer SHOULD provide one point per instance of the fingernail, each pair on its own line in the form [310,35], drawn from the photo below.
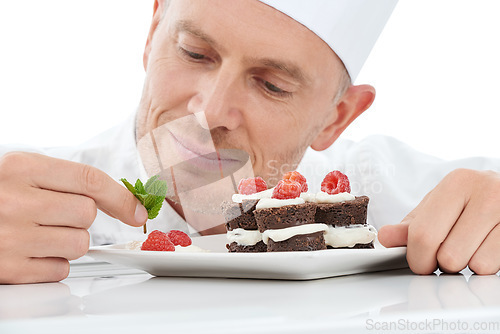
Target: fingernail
[141,214]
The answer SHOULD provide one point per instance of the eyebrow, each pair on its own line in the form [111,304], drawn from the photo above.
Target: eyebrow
[290,69]
[190,28]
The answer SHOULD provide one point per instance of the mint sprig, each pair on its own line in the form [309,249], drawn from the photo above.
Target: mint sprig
[151,195]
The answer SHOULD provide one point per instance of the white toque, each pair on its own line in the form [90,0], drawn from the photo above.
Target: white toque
[349,27]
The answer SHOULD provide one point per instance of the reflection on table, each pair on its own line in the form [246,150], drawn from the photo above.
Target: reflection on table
[189,300]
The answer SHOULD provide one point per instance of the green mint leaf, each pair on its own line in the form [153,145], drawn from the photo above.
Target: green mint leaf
[150,181]
[128,185]
[151,200]
[151,195]
[142,199]
[153,212]
[139,187]
[156,187]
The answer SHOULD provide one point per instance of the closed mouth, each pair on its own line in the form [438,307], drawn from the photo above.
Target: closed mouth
[209,159]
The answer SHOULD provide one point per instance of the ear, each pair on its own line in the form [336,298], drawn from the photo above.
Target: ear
[158,10]
[352,104]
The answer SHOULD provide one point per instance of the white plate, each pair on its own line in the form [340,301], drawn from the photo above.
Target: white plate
[274,265]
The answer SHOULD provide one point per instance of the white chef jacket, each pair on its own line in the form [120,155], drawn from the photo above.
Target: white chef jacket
[394,176]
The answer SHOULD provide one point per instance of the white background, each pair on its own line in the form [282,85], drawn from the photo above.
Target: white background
[71,69]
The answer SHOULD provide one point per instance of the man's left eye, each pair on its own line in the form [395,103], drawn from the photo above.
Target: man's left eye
[275,89]
[194,55]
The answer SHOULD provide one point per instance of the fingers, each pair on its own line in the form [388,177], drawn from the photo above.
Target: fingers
[394,235]
[47,207]
[486,259]
[431,223]
[397,235]
[51,269]
[33,270]
[467,235]
[456,225]
[70,177]
[44,241]
[55,241]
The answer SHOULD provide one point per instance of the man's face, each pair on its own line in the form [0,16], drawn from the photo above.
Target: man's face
[236,75]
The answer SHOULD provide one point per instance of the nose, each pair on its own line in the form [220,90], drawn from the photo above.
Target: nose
[218,100]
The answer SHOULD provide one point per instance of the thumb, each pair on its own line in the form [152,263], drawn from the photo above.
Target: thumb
[394,235]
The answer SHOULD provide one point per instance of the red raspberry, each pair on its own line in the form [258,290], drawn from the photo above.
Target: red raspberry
[158,241]
[251,185]
[179,238]
[286,189]
[335,182]
[296,176]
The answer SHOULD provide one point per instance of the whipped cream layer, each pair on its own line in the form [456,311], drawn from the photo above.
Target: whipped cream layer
[344,236]
[265,200]
[244,237]
[348,236]
[341,236]
[322,197]
[238,198]
[283,234]
[267,203]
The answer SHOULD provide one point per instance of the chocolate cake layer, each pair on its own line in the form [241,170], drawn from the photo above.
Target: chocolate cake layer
[343,213]
[302,242]
[356,246]
[234,247]
[240,215]
[285,216]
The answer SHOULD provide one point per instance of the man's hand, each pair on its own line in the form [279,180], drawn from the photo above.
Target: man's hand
[456,224]
[46,207]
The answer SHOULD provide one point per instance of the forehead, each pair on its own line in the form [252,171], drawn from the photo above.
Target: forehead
[255,30]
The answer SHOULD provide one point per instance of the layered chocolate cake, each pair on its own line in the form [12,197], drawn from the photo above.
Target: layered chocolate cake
[288,218]
[343,213]
[241,227]
[289,226]
[242,232]
[344,216]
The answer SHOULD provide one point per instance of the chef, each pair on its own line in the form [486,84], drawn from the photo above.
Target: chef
[235,89]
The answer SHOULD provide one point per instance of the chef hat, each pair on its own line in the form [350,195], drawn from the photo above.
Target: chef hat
[349,27]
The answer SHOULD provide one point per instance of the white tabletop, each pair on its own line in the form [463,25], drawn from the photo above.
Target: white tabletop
[104,298]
